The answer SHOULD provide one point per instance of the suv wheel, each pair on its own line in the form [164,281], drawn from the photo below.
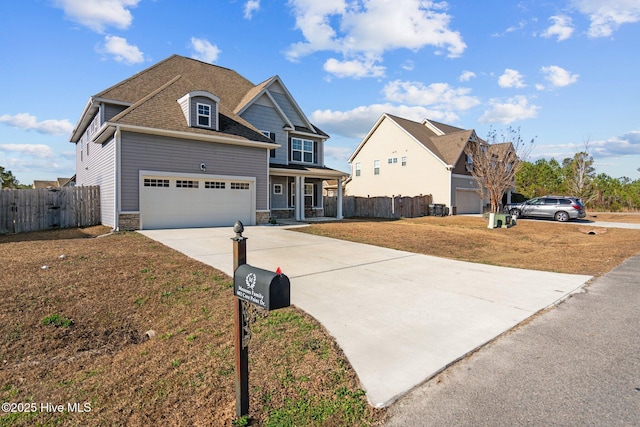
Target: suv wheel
[515,212]
[562,216]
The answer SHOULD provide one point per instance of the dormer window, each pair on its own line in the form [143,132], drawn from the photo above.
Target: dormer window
[204,115]
[200,109]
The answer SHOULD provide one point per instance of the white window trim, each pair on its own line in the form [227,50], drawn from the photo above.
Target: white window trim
[376,167]
[358,169]
[312,195]
[208,116]
[302,151]
[277,189]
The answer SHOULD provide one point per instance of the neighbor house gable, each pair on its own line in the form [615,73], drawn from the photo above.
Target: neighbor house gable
[417,132]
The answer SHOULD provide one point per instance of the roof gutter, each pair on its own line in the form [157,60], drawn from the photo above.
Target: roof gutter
[107,129]
[89,110]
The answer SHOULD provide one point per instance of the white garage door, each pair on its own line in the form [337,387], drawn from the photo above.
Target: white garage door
[468,202]
[183,202]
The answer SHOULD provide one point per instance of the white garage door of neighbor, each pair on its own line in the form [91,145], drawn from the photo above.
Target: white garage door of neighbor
[174,202]
[468,202]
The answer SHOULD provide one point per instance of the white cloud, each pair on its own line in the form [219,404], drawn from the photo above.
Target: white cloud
[99,14]
[250,7]
[466,76]
[511,78]
[624,145]
[204,50]
[29,122]
[516,108]
[40,151]
[340,154]
[354,68]
[121,50]
[357,122]
[607,16]
[368,29]
[438,95]
[562,27]
[408,65]
[558,76]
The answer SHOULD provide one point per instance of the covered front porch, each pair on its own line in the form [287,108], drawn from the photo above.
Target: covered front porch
[295,191]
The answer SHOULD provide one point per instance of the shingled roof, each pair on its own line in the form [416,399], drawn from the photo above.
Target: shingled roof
[448,147]
[150,97]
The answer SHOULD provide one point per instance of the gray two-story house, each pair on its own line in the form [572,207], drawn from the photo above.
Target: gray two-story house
[190,144]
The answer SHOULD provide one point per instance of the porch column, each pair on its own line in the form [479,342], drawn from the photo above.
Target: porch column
[339,204]
[296,198]
[301,192]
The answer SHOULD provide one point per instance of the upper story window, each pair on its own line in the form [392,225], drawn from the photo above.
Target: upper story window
[469,163]
[200,109]
[271,136]
[358,169]
[204,115]
[376,167]
[404,161]
[303,150]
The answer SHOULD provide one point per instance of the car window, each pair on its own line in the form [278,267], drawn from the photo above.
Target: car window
[535,202]
[551,201]
[565,201]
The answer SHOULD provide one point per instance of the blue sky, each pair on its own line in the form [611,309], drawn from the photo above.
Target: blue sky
[564,72]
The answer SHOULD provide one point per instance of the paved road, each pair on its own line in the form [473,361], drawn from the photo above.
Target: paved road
[399,317]
[576,365]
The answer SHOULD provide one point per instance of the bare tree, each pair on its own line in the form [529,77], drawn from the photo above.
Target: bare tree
[494,164]
[580,174]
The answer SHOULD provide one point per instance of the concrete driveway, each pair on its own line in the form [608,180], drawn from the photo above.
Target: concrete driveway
[399,317]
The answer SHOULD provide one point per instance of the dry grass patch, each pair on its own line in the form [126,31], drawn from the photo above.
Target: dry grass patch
[537,245]
[75,332]
[628,217]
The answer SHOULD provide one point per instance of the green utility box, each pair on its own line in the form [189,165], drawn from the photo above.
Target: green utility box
[499,220]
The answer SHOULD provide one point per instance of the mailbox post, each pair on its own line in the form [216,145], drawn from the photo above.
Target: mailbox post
[240,322]
[251,285]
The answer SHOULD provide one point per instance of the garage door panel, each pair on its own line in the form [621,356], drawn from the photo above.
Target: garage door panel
[468,202]
[195,203]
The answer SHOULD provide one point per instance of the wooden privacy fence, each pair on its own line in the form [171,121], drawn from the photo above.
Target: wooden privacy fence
[379,207]
[48,208]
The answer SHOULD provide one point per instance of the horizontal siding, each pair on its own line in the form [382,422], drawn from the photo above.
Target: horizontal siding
[267,118]
[155,153]
[289,110]
[110,111]
[424,174]
[98,168]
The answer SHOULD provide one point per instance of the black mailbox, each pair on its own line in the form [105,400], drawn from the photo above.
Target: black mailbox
[264,288]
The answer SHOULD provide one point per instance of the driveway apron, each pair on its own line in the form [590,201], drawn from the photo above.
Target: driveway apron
[399,317]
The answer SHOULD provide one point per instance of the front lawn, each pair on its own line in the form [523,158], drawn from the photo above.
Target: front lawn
[537,245]
[74,322]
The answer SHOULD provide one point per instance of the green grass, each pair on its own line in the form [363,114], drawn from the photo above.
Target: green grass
[57,320]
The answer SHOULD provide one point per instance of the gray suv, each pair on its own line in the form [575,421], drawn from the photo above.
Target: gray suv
[560,208]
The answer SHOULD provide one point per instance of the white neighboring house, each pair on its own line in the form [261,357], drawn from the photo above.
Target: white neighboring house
[408,158]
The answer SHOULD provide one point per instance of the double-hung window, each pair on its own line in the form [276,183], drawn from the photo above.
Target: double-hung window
[204,115]
[302,150]
[358,169]
[376,167]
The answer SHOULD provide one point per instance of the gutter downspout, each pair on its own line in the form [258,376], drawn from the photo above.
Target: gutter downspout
[117,177]
[450,170]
